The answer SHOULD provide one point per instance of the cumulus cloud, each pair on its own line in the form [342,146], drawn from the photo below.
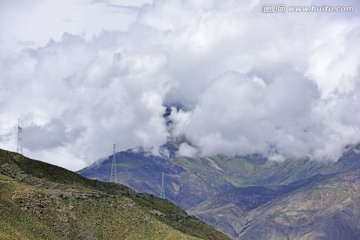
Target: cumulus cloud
[101,93]
[283,85]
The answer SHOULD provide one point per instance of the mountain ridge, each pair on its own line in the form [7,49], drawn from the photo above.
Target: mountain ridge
[189,181]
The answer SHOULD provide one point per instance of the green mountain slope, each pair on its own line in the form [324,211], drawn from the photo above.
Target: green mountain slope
[42,201]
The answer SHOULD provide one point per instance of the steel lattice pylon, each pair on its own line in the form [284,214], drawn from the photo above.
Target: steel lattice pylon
[162,191]
[19,141]
[113,174]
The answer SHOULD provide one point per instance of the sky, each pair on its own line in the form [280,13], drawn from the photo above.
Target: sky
[81,75]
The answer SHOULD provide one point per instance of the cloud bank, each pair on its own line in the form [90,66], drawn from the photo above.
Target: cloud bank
[284,85]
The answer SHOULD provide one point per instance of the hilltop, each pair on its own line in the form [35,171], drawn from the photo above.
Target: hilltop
[42,201]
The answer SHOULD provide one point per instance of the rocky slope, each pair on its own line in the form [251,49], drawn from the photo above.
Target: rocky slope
[327,210]
[42,201]
[224,210]
[325,206]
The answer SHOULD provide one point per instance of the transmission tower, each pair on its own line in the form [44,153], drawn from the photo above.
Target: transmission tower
[19,141]
[113,174]
[162,191]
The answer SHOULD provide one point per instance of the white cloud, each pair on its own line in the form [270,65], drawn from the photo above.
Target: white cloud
[186,150]
[279,84]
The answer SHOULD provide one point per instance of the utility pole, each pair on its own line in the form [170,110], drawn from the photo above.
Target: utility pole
[162,191]
[19,140]
[113,174]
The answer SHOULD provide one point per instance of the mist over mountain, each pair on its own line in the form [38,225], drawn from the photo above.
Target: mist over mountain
[192,180]
[245,114]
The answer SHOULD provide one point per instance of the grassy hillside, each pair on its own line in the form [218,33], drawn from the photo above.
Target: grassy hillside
[42,201]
